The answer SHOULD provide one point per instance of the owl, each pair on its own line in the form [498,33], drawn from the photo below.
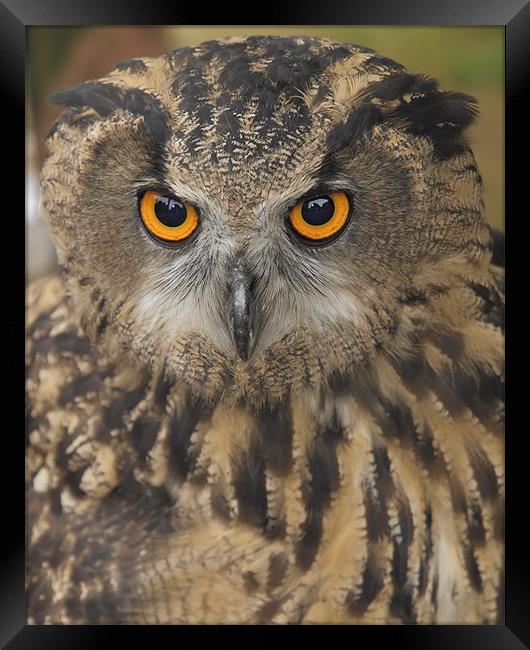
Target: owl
[267,386]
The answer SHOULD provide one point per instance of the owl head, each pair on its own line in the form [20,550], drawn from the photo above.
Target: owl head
[263,215]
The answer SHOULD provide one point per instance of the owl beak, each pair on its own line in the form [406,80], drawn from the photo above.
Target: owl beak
[241,312]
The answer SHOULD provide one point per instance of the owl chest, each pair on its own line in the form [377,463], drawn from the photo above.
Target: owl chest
[324,509]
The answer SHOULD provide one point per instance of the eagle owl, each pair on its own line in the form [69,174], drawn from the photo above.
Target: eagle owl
[268,385]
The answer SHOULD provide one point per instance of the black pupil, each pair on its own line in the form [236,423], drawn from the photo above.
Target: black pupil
[170,212]
[318,211]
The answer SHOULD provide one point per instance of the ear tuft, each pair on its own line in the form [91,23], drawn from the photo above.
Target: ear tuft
[441,117]
[438,115]
[105,98]
[426,111]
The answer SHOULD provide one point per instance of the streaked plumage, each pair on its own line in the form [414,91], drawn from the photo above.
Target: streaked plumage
[352,469]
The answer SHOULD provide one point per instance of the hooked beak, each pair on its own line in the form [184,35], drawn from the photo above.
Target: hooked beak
[241,311]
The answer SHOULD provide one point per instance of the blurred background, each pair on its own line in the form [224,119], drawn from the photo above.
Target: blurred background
[467,59]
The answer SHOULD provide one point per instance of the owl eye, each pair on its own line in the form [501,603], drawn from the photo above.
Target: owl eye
[321,217]
[168,218]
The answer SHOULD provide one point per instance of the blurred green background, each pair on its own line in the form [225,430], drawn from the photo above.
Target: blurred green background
[467,59]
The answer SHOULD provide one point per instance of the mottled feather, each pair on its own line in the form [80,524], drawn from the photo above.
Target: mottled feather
[351,470]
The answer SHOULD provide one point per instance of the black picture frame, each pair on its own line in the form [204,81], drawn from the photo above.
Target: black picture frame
[514,15]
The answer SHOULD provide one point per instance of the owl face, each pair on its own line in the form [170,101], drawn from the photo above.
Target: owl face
[254,214]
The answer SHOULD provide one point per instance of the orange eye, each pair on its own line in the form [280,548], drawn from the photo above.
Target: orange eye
[321,217]
[167,218]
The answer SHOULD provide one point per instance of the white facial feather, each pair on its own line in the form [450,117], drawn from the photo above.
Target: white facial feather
[189,294]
